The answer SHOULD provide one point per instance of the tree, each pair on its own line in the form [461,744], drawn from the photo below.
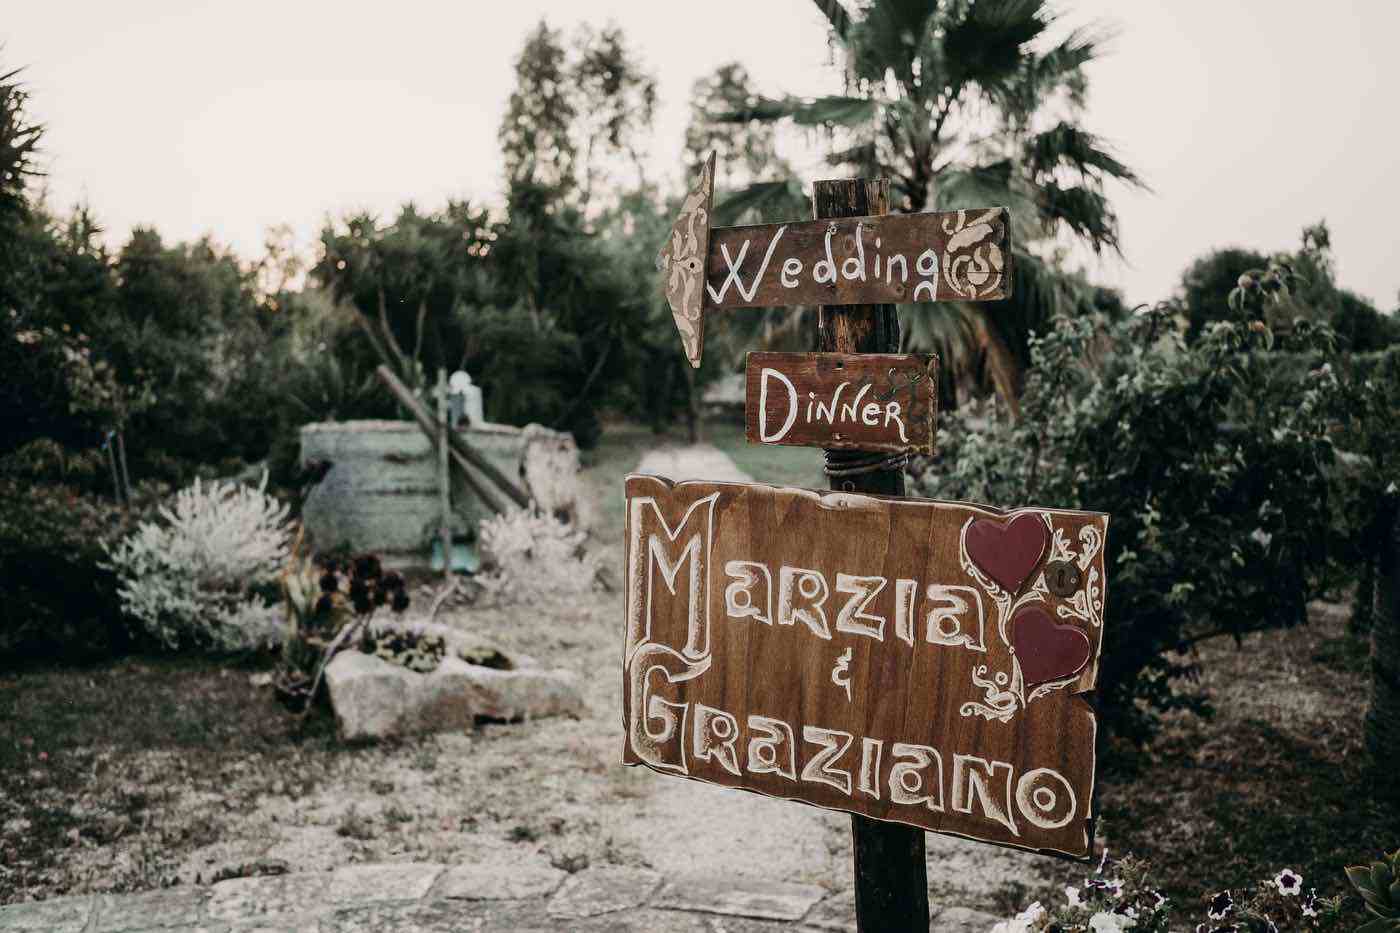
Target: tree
[617,101]
[746,150]
[964,104]
[574,113]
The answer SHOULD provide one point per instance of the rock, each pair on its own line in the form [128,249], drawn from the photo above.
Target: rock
[374,698]
[550,468]
[370,696]
[524,693]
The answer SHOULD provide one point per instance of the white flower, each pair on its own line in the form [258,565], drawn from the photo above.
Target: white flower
[1288,882]
[1022,922]
[1105,922]
[1072,895]
[1032,914]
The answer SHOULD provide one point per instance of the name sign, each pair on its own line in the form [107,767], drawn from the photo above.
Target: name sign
[867,401]
[905,659]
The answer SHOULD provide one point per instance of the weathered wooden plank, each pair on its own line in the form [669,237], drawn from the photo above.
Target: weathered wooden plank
[889,859]
[903,659]
[891,259]
[869,401]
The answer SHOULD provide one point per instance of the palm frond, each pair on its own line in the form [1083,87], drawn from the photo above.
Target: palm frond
[761,198]
[891,34]
[987,46]
[1068,145]
[836,15]
[862,154]
[762,109]
[834,110]
[975,185]
[1084,210]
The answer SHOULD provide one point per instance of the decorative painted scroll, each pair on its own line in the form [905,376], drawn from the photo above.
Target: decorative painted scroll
[867,401]
[890,259]
[904,659]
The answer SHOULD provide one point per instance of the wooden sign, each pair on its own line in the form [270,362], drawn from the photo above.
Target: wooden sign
[868,401]
[905,659]
[890,259]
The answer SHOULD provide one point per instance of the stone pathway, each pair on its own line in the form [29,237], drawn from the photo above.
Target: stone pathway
[698,461]
[424,898]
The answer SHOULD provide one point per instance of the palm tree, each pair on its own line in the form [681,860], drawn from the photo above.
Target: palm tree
[967,103]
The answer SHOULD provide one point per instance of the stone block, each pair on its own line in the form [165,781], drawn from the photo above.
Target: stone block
[499,881]
[740,898]
[597,891]
[272,903]
[836,913]
[176,908]
[57,915]
[388,881]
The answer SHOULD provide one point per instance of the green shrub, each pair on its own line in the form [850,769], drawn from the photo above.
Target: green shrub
[59,604]
[1214,461]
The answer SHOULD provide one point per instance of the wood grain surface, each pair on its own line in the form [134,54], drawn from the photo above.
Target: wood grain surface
[854,652]
[896,258]
[868,401]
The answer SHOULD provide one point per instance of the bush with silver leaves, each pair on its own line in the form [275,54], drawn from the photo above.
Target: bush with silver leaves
[191,578]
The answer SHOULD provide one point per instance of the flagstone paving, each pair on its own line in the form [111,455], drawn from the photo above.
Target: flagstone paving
[428,898]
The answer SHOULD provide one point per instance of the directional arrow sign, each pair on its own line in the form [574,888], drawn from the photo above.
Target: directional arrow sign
[891,259]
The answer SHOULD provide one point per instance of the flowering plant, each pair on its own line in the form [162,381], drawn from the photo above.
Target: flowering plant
[533,557]
[328,605]
[1118,897]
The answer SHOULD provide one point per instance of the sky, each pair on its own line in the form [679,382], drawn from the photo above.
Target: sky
[1248,119]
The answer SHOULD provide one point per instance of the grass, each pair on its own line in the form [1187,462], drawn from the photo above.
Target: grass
[769,463]
[68,740]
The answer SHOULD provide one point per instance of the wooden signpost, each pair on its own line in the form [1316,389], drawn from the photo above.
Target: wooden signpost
[903,659]
[921,665]
[870,401]
[901,258]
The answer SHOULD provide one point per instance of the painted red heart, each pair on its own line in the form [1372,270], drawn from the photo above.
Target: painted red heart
[1007,552]
[1046,650]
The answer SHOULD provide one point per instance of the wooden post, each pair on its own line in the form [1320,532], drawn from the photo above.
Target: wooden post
[891,879]
[444,479]
[126,477]
[461,451]
[112,462]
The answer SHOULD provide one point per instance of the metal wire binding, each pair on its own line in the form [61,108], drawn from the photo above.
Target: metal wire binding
[857,462]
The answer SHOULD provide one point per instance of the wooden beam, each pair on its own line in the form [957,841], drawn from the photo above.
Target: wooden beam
[462,452]
[891,878]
